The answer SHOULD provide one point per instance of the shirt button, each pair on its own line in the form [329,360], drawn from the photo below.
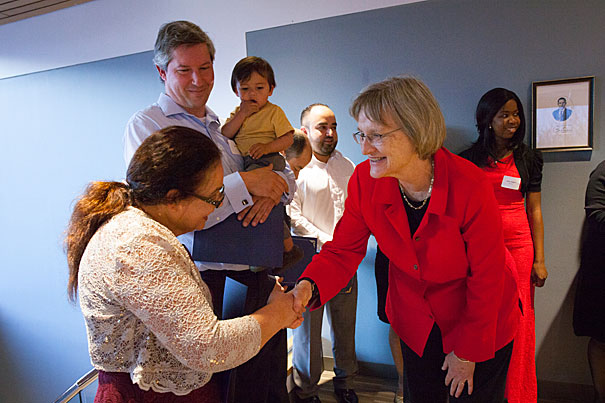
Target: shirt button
[415,267]
[417,238]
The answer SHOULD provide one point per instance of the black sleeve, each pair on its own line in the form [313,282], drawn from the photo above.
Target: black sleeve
[534,163]
[595,197]
[466,154]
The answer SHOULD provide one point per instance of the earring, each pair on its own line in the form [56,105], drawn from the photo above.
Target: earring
[490,127]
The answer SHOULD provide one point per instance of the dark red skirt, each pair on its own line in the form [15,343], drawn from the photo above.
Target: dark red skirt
[116,387]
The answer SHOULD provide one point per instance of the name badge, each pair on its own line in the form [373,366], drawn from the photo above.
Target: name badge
[233,147]
[510,182]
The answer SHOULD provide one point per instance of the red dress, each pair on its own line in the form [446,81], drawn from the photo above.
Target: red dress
[521,380]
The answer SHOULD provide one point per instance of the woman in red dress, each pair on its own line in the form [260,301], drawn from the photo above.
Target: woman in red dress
[516,174]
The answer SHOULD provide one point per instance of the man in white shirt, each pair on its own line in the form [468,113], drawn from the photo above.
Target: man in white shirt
[316,208]
[184,58]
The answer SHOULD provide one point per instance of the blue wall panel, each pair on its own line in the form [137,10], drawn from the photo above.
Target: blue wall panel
[60,129]
[461,49]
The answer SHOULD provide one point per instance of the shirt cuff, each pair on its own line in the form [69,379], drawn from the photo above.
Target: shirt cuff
[236,199]
[288,176]
[236,192]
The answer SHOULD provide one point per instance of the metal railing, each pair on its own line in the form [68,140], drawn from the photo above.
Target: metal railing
[78,387]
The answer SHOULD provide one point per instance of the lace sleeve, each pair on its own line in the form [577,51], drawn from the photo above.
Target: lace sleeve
[156,281]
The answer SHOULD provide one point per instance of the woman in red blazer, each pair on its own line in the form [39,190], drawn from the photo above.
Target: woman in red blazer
[452,295]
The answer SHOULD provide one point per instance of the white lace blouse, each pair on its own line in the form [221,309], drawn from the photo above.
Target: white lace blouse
[149,313]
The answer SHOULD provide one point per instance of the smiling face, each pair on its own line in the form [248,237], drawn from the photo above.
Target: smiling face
[506,122]
[255,89]
[320,127]
[395,154]
[189,77]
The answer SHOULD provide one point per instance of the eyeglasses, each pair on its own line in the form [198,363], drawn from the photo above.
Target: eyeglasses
[215,202]
[374,139]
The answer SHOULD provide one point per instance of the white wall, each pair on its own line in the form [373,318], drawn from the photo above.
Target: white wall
[103,29]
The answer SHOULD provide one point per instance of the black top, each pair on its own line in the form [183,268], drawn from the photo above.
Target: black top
[595,198]
[414,216]
[589,305]
[529,163]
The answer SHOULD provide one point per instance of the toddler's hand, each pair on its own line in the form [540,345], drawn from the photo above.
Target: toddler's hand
[248,108]
[258,150]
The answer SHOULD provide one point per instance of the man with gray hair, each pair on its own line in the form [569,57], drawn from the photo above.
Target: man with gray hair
[184,56]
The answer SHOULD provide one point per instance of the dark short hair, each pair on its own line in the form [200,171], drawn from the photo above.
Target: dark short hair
[248,65]
[562,98]
[305,112]
[174,34]
[298,145]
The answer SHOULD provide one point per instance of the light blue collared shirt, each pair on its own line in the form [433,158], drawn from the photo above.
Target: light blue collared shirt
[165,112]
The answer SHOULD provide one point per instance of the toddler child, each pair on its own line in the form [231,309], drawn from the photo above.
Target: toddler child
[260,129]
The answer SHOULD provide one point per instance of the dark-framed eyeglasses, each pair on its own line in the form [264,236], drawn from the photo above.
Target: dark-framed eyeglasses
[215,202]
[374,139]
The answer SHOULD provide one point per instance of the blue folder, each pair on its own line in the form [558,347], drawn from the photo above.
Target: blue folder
[230,242]
[234,299]
[309,247]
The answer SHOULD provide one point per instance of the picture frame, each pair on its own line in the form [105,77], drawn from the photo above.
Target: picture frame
[563,114]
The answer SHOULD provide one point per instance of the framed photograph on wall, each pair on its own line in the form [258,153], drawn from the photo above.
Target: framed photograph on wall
[563,114]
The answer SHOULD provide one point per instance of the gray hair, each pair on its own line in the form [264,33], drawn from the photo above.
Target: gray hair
[411,105]
[174,34]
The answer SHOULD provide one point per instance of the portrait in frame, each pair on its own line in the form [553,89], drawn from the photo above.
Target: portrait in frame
[563,114]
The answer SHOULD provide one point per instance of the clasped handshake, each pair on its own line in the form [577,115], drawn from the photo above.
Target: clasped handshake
[289,306]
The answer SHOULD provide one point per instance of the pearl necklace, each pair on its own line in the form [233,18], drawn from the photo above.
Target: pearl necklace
[428,195]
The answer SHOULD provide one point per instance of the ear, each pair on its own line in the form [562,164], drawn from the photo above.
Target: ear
[172,196]
[271,90]
[304,130]
[162,73]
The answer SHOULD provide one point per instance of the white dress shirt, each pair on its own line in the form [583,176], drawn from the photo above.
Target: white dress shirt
[319,202]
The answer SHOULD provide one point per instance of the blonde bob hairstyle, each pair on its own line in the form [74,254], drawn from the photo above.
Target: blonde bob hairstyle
[411,105]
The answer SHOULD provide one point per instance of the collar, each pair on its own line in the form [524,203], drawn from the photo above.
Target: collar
[169,107]
[334,156]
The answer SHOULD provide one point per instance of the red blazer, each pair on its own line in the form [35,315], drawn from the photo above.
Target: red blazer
[455,271]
